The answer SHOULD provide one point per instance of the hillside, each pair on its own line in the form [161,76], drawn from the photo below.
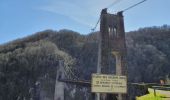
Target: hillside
[32,59]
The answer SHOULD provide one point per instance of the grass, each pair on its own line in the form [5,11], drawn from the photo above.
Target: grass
[151,96]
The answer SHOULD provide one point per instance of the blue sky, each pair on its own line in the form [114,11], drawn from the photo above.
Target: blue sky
[20,18]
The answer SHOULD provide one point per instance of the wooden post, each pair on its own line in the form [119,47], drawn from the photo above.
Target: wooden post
[154,92]
[59,86]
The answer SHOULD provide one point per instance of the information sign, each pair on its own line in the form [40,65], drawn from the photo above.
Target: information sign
[109,83]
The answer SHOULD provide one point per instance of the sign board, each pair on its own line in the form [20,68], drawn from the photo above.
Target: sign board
[103,83]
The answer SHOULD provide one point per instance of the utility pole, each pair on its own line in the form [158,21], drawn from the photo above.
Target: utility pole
[111,41]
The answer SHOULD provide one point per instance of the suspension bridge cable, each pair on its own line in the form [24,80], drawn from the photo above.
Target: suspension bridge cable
[134,5]
[69,70]
[112,4]
[93,29]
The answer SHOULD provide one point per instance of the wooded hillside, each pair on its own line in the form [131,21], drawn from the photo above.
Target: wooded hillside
[33,60]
